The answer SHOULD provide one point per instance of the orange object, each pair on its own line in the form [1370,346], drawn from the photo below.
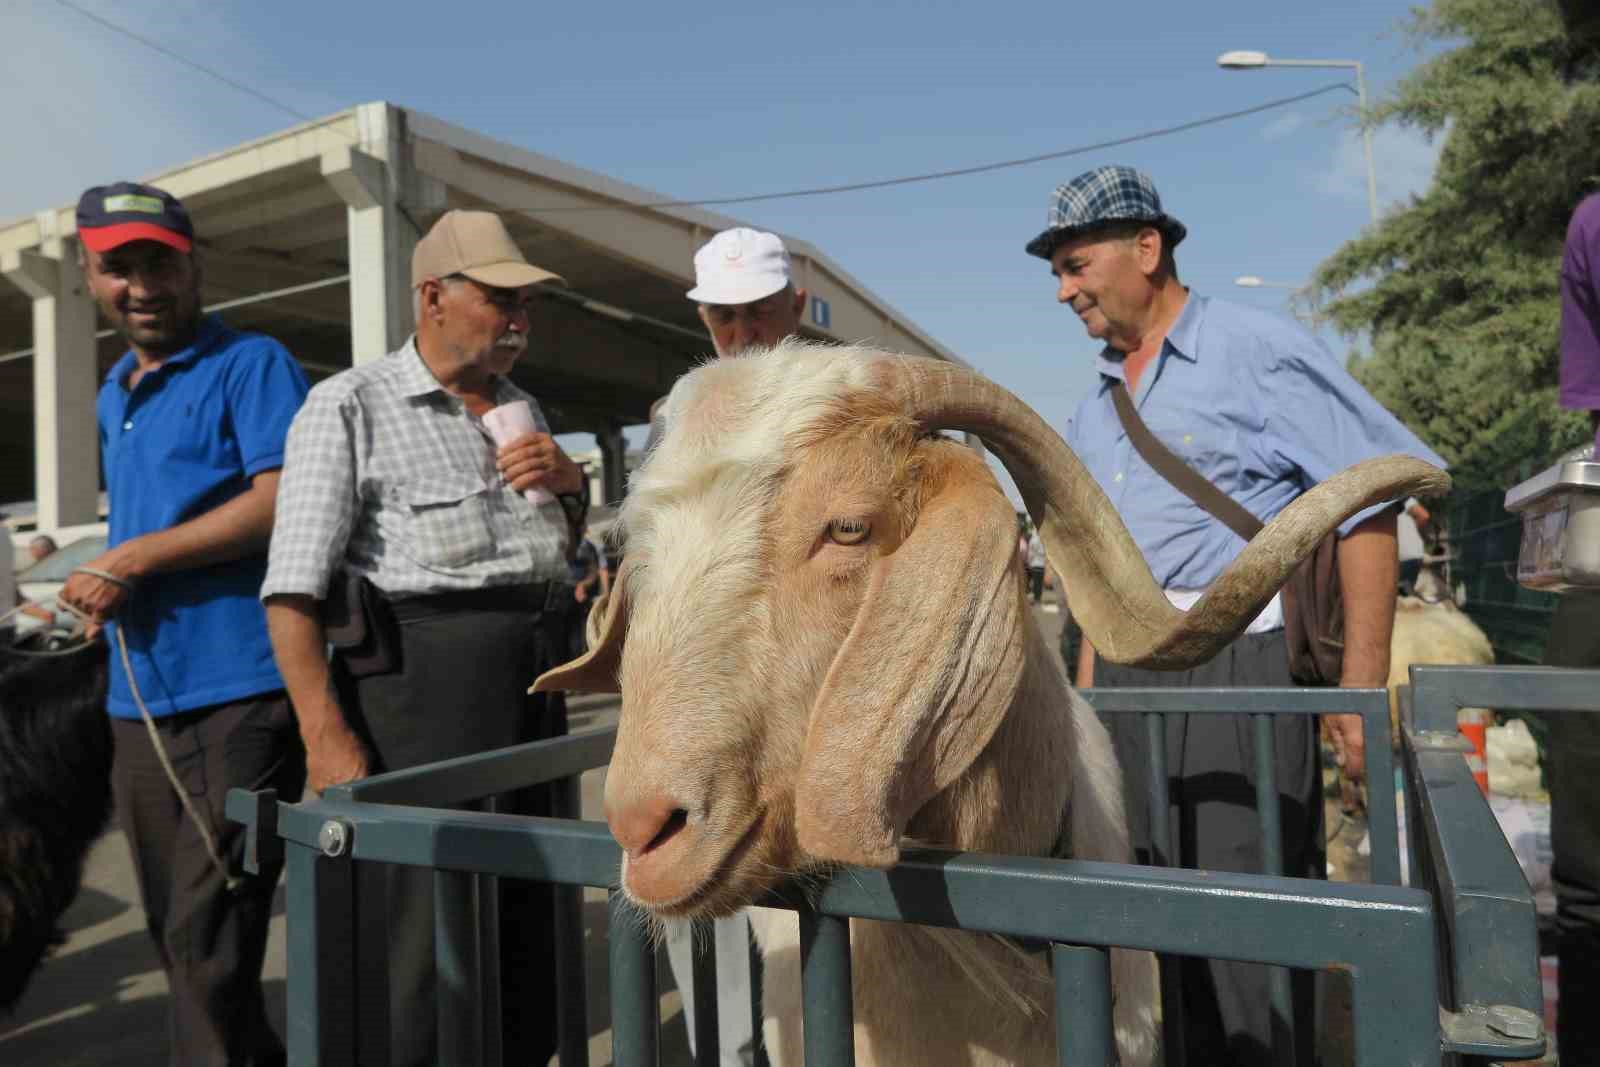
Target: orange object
[1473,724]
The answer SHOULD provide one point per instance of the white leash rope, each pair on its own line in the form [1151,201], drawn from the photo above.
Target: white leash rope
[200,824]
[206,836]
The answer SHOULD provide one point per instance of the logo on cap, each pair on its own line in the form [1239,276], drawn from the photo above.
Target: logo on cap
[128,202]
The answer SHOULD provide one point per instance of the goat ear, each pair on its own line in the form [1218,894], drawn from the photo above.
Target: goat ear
[922,681]
[596,671]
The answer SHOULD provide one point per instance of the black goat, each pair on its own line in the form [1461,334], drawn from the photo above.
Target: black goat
[55,794]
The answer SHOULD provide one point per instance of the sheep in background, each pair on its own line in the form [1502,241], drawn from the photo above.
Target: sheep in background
[1430,628]
[55,795]
[822,644]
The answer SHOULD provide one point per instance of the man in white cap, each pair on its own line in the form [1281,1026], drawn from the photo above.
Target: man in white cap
[746,295]
[747,300]
[397,508]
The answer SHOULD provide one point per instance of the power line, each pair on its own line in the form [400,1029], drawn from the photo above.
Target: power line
[959,172]
[148,43]
[790,194]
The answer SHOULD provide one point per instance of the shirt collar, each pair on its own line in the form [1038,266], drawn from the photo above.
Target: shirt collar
[415,377]
[417,380]
[209,332]
[1183,340]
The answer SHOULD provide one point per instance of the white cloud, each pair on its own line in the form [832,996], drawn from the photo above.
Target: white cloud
[1283,126]
[1403,160]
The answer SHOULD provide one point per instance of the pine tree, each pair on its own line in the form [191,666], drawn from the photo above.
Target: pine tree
[1457,290]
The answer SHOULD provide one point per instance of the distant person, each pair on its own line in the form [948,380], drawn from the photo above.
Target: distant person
[1409,524]
[1036,565]
[583,571]
[745,296]
[41,546]
[1257,406]
[192,425]
[1574,641]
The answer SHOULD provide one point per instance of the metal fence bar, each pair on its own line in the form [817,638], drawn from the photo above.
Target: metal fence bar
[703,965]
[1382,822]
[1437,692]
[572,980]
[634,1009]
[455,952]
[757,976]
[320,902]
[825,985]
[488,890]
[466,778]
[1163,854]
[1487,906]
[1270,818]
[1371,704]
[1085,1036]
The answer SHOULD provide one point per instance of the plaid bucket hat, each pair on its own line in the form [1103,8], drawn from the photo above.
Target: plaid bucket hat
[1099,196]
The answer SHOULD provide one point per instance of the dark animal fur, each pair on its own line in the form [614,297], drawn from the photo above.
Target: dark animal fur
[55,797]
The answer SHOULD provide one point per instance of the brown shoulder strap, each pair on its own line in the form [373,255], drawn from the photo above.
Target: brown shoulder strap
[1183,477]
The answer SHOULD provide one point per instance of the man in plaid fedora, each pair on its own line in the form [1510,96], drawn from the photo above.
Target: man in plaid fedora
[1259,408]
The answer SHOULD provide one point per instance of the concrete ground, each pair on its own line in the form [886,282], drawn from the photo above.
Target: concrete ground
[102,997]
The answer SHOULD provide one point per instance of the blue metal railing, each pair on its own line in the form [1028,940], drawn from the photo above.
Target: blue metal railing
[1426,983]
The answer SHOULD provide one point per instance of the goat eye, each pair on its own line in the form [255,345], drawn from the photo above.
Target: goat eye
[848,531]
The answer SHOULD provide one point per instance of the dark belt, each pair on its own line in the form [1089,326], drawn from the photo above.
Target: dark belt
[534,597]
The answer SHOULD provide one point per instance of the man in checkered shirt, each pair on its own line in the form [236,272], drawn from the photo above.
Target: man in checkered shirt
[395,501]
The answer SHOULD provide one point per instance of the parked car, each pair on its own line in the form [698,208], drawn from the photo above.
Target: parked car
[44,579]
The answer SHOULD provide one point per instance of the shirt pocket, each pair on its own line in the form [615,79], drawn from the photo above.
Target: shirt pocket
[447,519]
[1211,448]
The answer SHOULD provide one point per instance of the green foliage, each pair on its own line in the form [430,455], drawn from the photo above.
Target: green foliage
[1457,290]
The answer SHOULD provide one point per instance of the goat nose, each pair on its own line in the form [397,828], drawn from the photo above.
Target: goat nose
[643,824]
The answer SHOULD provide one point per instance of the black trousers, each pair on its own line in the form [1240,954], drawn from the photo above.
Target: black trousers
[1035,583]
[211,941]
[1227,1010]
[1574,778]
[461,688]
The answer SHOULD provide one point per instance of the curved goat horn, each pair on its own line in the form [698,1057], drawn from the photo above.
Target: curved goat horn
[1113,595]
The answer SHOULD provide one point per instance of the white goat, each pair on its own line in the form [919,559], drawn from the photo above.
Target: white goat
[822,643]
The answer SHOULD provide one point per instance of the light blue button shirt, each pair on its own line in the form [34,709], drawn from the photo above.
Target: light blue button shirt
[1253,402]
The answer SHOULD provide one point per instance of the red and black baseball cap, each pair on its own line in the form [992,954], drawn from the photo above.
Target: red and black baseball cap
[112,215]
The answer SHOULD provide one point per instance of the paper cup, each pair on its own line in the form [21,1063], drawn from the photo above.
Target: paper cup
[508,422]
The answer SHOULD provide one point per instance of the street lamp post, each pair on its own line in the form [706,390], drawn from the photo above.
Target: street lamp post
[1250,281]
[1257,60]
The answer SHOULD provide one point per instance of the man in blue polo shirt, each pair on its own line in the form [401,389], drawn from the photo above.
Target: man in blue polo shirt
[192,421]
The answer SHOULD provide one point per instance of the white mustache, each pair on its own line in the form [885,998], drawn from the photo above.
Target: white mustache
[512,340]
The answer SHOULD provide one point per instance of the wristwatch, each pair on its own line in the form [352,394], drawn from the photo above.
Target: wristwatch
[576,505]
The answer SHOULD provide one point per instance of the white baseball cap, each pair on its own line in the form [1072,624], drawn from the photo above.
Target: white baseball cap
[739,266]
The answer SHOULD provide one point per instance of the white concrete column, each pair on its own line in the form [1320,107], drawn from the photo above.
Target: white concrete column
[386,202]
[65,381]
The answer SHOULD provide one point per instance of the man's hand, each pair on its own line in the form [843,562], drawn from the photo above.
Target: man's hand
[333,755]
[581,593]
[535,461]
[98,598]
[1349,745]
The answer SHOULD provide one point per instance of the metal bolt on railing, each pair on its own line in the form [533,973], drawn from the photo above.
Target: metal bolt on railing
[333,838]
[1514,1022]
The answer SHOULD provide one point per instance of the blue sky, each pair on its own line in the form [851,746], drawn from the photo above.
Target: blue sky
[716,99]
